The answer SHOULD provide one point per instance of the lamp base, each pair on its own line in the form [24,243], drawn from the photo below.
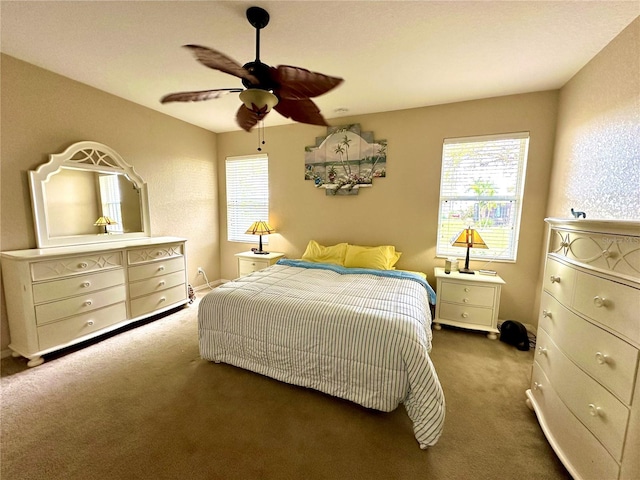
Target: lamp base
[466,270]
[260,252]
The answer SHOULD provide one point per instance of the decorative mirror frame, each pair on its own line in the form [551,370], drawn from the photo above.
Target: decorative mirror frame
[88,156]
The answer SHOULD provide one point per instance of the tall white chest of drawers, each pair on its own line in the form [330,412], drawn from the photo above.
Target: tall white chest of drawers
[57,297]
[585,386]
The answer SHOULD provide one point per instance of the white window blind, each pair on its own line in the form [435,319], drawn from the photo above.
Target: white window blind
[247,196]
[482,184]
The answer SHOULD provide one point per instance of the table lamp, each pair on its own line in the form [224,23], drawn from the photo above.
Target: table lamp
[104,221]
[260,228]
[469,238]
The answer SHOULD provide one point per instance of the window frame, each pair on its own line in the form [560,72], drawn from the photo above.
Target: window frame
[503,202]
[235,167]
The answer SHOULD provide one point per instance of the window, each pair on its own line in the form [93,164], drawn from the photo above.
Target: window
[482,186]
[247,195]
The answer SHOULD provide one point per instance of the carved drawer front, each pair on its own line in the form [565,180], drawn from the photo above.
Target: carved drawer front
[78,285]
[148,254]
[559,280]
[612,304]
[579,446]
[49,312]
[480,296]
[154,269]
[63,267]
[155,301]
[67,330]
[466,314]
[608,252]
[608,359]
[156,284]
[602,413]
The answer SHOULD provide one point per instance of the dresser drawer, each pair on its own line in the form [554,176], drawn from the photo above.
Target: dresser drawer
[159,252]
[610,360]
[477,295]
[156,284]
[603,414]
[247,266]
[580,451]
[49,312]
[77,285]
[154,269]
[612,304]
[559,280]
[155,301]
[67,330]
[64,267]
[466,314]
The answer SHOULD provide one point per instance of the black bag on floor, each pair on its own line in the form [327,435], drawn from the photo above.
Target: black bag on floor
[514,333]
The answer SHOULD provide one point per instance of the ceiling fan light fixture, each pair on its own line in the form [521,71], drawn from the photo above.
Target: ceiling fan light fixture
[258,100]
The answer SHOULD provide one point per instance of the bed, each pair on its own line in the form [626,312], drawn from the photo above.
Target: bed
[359,334]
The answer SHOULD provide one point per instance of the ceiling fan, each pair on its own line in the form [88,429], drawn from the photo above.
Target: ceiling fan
[284,88]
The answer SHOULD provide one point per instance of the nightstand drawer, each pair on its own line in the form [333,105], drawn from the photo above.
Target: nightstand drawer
[466,314]
[247,266]
[476,295]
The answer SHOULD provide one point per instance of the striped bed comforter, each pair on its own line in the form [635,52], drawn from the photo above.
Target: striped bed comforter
[363,336]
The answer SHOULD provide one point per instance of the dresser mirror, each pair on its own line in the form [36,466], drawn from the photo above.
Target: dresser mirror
[87,194]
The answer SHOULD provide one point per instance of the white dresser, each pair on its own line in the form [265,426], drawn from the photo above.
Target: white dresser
[56,297]
[585,386]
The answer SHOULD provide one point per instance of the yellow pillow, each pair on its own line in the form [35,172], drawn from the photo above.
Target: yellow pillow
[383,257]
[320,254]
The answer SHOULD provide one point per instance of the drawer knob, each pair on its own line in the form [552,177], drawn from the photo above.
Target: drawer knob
[600,302]
[161,268]
[602,359]
[161,283]
[89,322]
[542,351]
[88,303]
[594,411]
[537,386]
[163,299]
[85,284]
[465,315]
[466,289]
[554,279]
[546,314]
[465,300]
[83,265]
[158,254]
[564,244]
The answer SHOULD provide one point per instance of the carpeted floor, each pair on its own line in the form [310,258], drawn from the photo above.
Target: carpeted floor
[141,404]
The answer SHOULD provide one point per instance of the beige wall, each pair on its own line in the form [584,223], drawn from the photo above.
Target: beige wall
[44,113]
[597,156]
[401,209]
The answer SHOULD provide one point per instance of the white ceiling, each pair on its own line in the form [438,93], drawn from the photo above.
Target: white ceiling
[393,55]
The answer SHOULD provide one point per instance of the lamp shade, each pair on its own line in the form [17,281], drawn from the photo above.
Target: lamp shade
[104,221]
[258,100]
[260,228]
[468,238]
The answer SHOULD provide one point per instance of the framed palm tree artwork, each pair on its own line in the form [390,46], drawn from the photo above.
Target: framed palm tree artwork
[345,160]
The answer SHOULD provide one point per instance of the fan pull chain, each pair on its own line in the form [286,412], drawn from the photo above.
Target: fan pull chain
[260,135]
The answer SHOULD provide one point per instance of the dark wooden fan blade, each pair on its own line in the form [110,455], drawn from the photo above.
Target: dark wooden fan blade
[199,95]
[247,119]
[303,111]
[219,61]
[297,83]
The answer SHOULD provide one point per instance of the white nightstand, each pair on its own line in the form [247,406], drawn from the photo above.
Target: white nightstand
[249,262]
[468,301]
